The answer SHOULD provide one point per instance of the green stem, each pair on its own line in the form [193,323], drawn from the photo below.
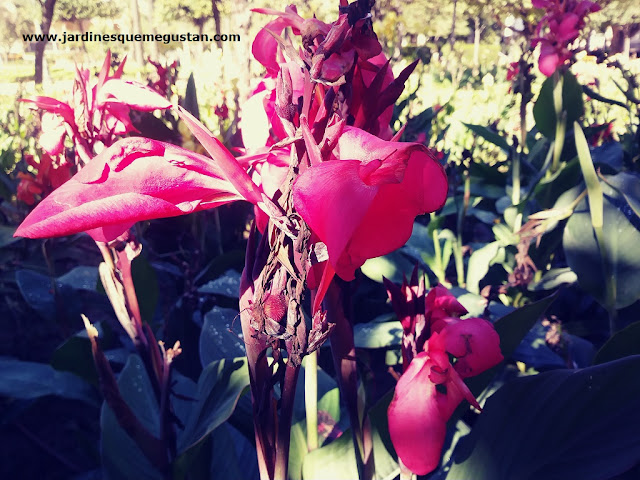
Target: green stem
[458,243]
[610,280]
[561,121]
[406,475]
[311,399]
[457,254]
[558,145]
[596,211]
[515,193]
[284,424]
[437,250]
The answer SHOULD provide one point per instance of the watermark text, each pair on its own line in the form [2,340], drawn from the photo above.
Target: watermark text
[166,38]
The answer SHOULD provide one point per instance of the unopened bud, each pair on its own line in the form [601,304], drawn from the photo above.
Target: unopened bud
[284,94]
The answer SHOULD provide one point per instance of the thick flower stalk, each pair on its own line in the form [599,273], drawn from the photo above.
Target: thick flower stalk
[432,387]
[558,28]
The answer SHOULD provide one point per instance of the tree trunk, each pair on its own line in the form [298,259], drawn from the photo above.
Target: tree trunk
[452,35]
[476,42]
[138,54]
[626,44]
[153,45]
[216,19]
[80,27]
[47,15]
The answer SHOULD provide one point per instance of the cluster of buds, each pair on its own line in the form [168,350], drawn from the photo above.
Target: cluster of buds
[558,28]
[431,386]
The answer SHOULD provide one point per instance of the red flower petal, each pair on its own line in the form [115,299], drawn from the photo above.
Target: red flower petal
[475,343]
[416,425]
[53,106]
[133,94]
[228,164]
[333,199]
[363,205]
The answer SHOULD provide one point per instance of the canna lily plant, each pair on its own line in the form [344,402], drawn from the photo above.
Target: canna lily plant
[331,187]
[95,117]
[431,386]
[557,30]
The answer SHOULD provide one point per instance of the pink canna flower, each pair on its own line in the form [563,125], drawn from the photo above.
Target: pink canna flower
[261,125]
[442,307]
[426,396]
[431,387]
[421,314]
[140,179]
[135,179]
[362,201]
[332,50]
[562,24]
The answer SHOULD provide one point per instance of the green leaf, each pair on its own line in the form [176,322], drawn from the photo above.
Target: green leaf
[75,356]
[489,135]
[80,278]
[391,266]
[544,111]
[628,185]
[232,456]
[228,285]
[6,236]
[555,426]
[37,291]
[514,326]
[622,344]
[553,279]
[479,263]
[474,303]
[590,177]
[622,239]
[190,102]
[297,450]
[29,380]
[219,387]
[504,235]
[121,456]
[377,335]
[609,156]
[146,284]
[337,460]
[216,340]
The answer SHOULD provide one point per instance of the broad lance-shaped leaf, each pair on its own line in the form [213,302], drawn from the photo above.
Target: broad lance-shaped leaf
[564,424]
[135,179]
